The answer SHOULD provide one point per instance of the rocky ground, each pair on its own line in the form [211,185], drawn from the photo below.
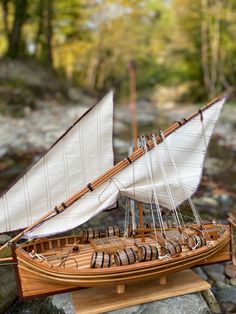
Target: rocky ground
[24,136]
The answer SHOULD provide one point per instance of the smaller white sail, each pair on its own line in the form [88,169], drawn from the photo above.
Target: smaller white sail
[85,151]
[188,146]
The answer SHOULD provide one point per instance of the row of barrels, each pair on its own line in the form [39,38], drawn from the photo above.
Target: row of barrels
[91,233]
[144,253]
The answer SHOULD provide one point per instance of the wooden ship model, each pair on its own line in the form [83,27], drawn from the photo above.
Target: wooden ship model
[77,179]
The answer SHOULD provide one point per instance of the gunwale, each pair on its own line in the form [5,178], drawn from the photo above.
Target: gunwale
[139,270]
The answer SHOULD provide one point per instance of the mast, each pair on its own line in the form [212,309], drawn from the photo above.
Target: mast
[133,109]
[133,101]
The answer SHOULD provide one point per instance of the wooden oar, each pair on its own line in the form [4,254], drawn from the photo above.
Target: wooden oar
[111,172]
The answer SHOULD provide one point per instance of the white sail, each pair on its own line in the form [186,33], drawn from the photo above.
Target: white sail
[187,146]
[85,151]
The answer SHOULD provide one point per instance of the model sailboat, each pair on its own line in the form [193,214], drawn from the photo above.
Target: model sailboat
[77,180]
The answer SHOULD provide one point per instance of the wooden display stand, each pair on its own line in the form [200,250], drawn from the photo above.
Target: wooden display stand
[100,300]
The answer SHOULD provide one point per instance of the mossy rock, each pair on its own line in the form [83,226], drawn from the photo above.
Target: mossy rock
[7,251]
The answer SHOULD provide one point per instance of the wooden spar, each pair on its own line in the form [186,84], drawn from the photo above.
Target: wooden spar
[132,79]
[111,172]
[140,205]
[133,102]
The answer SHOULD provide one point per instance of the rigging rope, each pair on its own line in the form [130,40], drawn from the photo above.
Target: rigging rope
[179,178]
[166,181]
[144,145]
[152,213]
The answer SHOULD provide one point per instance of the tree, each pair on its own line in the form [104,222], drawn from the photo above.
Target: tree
[16,43]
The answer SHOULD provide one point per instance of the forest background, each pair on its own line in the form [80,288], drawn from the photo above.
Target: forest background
[186,43]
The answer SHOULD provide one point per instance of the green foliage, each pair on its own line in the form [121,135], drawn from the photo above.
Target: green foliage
[91,42]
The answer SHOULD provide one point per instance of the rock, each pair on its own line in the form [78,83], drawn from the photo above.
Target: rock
[211,301]
[4,238]
[215,272]
[232,281]
[8,292]
[216,276]
[221,285]
[225,199]
[189,303]
[213,165]
[230,271]
[206,201]
[200,272]
[35,306]
[215,267]
[228,308]
[226,294]
[76,95]
[63,303]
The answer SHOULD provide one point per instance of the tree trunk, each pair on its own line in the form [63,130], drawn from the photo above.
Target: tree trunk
[49,32]
[5,17]
[15,40]
[39,34]
[204,48]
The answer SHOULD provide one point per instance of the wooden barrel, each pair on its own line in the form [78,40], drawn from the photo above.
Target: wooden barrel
[125,257]
[100,260]
[171,247]
[89,234]
[195,241]
[147,252]
[112,231]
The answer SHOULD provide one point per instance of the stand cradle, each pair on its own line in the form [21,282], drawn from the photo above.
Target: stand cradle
[100,300]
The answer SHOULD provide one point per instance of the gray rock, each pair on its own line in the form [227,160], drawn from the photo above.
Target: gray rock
[200,272]
[187,304]
[4,238]
[215,267]
[221,285]
[206,201]
[225,199]
[216,276]
[8,293]
[63,303]
[226,294]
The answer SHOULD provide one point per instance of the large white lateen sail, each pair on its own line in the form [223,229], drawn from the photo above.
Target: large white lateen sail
[168,173]
[84,152]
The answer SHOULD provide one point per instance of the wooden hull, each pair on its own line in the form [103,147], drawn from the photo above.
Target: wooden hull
[38,278]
